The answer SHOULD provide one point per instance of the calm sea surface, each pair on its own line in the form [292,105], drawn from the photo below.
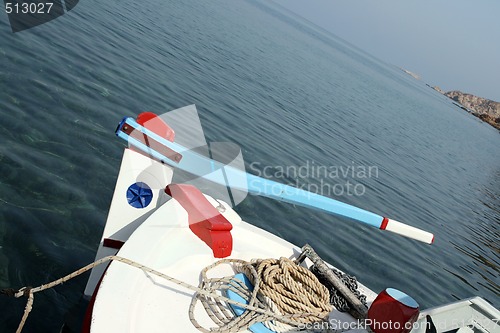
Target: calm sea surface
[288,93]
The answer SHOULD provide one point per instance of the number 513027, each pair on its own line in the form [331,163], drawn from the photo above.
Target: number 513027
[28,7]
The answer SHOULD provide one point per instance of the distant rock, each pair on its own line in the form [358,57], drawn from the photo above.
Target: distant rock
[416,76]
[483,108]
[438,89]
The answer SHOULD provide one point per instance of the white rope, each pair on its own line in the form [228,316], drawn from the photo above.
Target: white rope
[208,292]
[289,296]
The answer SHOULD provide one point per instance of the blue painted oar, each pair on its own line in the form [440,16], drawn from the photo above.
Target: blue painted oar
[182,158]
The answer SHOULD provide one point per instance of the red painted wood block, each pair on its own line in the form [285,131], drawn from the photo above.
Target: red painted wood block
[205,221]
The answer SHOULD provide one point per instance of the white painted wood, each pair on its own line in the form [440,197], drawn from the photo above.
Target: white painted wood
[123,219]
[409,231]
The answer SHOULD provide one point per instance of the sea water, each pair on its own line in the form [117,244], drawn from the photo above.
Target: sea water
[305,107]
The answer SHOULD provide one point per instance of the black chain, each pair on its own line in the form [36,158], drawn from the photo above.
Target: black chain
[336,299]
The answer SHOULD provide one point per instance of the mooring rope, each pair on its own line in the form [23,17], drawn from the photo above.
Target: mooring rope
[275,308]
[292,288]
[281,287]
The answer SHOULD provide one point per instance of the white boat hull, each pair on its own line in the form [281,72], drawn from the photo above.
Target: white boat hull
[136,302]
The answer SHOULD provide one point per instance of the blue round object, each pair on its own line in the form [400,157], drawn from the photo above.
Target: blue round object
[139,195]
[402,297]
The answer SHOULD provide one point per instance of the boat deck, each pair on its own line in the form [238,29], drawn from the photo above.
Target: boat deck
[134,301]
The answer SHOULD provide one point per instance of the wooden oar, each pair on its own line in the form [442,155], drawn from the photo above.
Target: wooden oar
[182,158]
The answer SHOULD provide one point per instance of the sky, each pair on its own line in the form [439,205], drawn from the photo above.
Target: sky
[453,44]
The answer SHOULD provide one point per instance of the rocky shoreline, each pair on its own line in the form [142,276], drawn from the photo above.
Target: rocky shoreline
[485,109]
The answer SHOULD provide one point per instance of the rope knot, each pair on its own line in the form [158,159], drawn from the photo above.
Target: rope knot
[24,291]
[8,292]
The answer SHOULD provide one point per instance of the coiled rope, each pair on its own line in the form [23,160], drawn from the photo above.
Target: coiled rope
[281,287]
[276,309]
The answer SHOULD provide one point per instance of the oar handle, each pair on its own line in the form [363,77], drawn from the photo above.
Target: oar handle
[407,230]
